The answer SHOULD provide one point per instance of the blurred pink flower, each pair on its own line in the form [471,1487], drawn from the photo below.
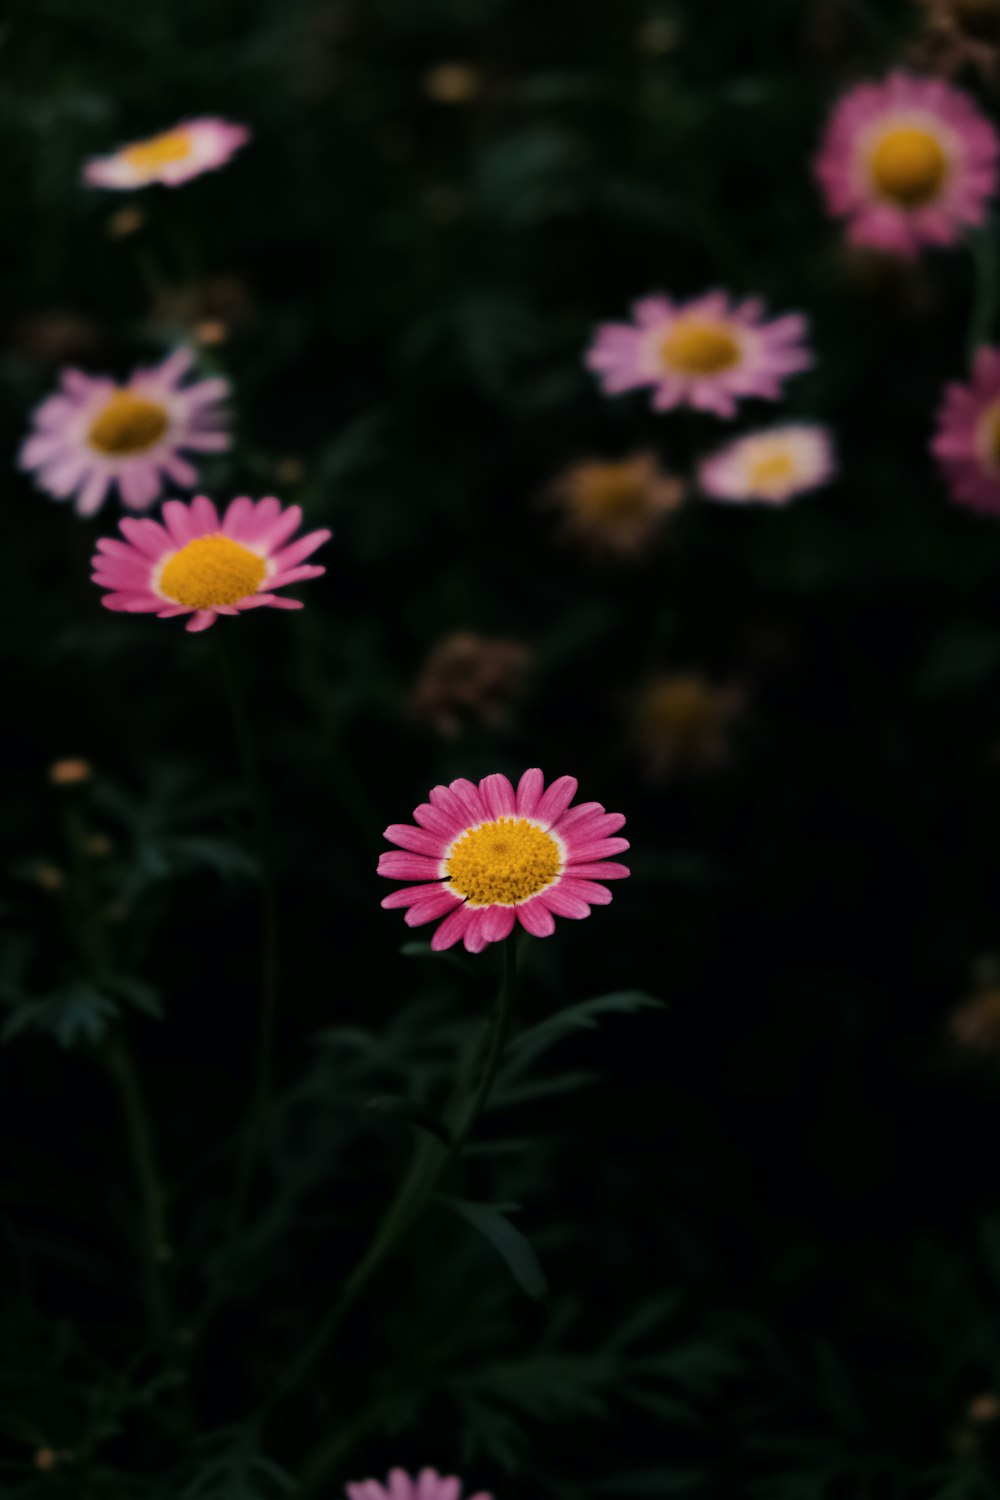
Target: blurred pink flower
[908,162]
[468,678]
[704,353]
[483,856]
[967,441]
[770,466]
[616,505]
[94,433]
[196,564]
[428,1485]
[173,157]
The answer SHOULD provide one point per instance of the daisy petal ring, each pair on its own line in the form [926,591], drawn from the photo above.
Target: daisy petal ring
[483,857]
[200,565]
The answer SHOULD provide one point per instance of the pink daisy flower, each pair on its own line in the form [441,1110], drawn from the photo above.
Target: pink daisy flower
[196,564]
[428,1485]
[94,433]
[967,441]
[704,353]
[908,162]
[486,856]
[770,466]
[175,156]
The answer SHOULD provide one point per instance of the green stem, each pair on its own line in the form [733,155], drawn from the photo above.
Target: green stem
[428,1163]
[982,318]
[261,1098]
[505,1017]
[156,1243]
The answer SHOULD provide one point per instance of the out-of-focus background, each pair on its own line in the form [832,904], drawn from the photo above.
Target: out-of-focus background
[767,1213]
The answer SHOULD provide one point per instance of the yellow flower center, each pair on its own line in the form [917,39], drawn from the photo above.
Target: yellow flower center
[612,492]
[908,166]
[210,571]
[159,151]
[695,347]
[770,469]
[128,424]
[503,862]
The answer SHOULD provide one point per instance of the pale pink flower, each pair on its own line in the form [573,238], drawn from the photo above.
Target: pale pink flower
[967,441]
[428,1485]
[94,433]
[908,162]
[175,156]
[196,564]
[770,466]
[484,856]
[704,353]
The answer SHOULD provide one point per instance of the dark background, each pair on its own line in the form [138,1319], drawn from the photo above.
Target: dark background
[769,1222]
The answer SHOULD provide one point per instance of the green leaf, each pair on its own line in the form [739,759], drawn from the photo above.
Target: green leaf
[509,1243]
[585,1016]
[413,1114]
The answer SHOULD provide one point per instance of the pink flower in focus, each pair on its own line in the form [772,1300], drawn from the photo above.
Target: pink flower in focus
[428,1485]
[173,157]
[486,856]
[703,353]
[967,441]
[771,466]
[93,433]
[908,162]
[196,564]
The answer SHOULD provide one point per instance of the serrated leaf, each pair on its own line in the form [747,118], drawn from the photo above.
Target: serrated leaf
[509,1243]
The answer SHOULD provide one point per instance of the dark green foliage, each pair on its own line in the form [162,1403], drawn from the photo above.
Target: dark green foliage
[756,1252]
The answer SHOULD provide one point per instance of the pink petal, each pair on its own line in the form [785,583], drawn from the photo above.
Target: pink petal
[204,516]
[597,850]
[409,895]
[416,840]
[400,866]
[201,620]
[555,801]
[452,928]
[498,923]
[564,903]
[497,796]
[148,536]
[599,870]
[536,918]
[529,792]
[587,890]
[435,906]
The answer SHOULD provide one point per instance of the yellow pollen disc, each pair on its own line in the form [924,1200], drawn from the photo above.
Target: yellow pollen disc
[694,347]
[770,469]
[503,862]
[210,571]
[908,166]
[611,492]
[128,424]
[159,151]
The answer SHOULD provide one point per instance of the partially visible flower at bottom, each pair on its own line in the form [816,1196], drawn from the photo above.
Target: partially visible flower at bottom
[615,505]
[487,856]
[94,433]
[967,441]
[427,1485]
[200,565]
[681,722]
[770,466]
[466,679]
